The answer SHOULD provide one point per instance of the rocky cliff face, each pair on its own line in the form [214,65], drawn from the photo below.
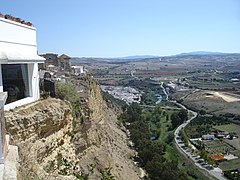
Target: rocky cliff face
[54,145]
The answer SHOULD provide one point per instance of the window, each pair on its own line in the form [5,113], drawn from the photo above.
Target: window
[15,81]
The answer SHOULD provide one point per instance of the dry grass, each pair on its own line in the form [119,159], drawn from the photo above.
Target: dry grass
[212,102]
[226,97]
[229,128]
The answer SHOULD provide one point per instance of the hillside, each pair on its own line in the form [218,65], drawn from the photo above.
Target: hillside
[59,141]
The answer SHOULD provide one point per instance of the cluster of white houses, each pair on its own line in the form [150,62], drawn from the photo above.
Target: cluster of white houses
[19,78]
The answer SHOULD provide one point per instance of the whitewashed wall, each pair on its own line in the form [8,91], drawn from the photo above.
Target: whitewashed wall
[17,36]
[18,40]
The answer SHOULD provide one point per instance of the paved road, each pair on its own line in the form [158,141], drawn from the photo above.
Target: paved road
[162,107]
[216,172]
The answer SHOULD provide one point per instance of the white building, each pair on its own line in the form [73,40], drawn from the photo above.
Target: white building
[208,137]
[18,63]
[77,70]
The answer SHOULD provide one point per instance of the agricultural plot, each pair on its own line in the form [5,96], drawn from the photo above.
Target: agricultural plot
[231,128]
[236,153]
[213,85]
[234,143]
[230,165]
[217,146]
[209,102]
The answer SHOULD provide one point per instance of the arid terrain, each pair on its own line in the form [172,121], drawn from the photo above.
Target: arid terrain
[209,85]
[209,72]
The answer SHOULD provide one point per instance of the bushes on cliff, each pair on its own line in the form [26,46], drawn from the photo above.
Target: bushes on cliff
[113,102]
[68,91]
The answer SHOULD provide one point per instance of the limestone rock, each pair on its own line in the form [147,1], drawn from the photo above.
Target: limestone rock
[54,145]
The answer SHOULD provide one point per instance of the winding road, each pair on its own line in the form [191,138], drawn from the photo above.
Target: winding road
[215,172]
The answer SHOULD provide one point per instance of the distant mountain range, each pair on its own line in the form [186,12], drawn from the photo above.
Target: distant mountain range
[137,57]
[200,53]
[89,60]
[195,53]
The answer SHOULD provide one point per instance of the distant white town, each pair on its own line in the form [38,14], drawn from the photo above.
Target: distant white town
[127,94]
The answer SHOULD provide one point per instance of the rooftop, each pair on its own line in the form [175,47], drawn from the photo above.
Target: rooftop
[217,157]
[15,19]
[18,43]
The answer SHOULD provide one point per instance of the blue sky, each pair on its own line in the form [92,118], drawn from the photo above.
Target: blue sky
[116,28]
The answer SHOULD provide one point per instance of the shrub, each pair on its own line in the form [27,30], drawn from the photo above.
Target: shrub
[68,91]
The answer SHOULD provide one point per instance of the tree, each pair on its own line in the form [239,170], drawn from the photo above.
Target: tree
[134,112]
[146,155]
[169,138]
[183,114]
[167,117]
[202,112]
[154,169]
[184,137]
[158,110]
[175,120]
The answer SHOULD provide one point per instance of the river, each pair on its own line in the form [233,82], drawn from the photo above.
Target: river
[159,99]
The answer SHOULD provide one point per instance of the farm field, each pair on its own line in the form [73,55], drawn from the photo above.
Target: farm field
[201,83]
[212,85]
[207,101]
[216,146]
[230,165]
[236,153]
[234,143]
[231,128]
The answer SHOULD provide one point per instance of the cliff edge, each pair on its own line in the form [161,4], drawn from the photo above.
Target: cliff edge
[62,140]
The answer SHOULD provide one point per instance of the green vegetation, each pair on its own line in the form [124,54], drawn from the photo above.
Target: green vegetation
[212,125]
[106,174]
[231,128]
[178,118]
[216,146]
[236,153]
[205,155]
[150,89]
[203,125]
[183,137]
[67,91]
[235,174]
[230,165]
[154,154]
[189,167]
[112,102]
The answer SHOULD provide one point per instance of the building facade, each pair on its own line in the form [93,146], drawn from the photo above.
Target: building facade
[56,63]
[65,63]
[78,70]
[18,63]
[51,59]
